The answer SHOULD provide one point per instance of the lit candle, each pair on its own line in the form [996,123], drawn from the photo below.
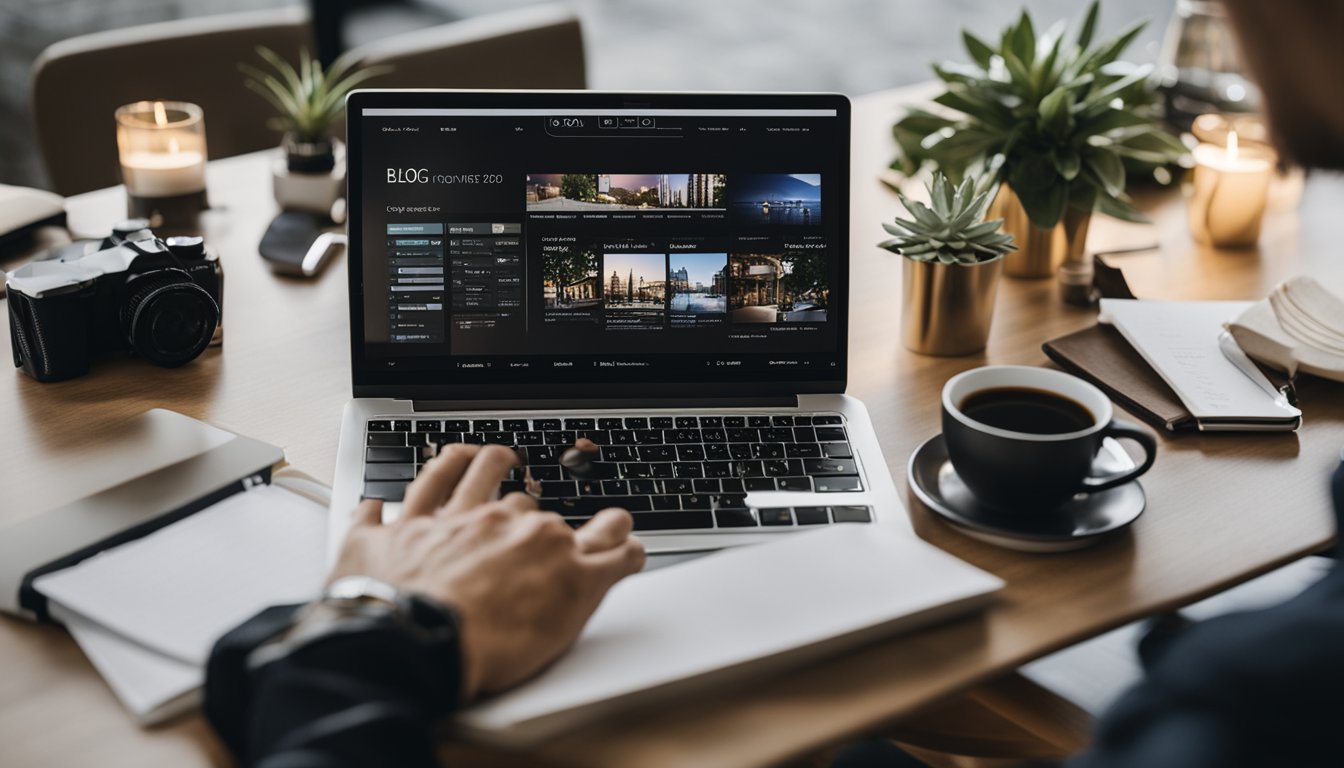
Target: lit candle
[162,149]
[1231,186]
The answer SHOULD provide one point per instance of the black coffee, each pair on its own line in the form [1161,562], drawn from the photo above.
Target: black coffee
[1020,409]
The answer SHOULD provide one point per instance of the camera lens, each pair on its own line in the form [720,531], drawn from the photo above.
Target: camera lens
[168,319]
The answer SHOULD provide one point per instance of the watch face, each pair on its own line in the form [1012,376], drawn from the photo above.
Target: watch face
[363,589]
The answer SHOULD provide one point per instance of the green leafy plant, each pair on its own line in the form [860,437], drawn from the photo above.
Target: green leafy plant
[308,99]
[1058,120]
[952,230]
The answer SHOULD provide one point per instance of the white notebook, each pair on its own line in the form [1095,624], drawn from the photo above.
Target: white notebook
[148,612]
[1183,342]
[739,612]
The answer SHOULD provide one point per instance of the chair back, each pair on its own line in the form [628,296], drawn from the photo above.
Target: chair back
[79,83]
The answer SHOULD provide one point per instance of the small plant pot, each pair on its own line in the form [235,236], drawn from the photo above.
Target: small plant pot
[310,176]
[946,309]
[1040,252]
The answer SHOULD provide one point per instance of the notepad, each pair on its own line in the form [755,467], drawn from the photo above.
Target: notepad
[735,614]
[147,613]
[1180,340]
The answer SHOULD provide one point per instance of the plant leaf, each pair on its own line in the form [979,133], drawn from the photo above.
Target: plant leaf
[1056,109]
[1100,100]
[1024,39]
[980,52]
[1122,209]
[1089,25]
[1107,52]
[1108,168]
[1067,162]
[983,109]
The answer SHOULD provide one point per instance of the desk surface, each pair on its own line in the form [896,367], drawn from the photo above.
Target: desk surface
[1222,508]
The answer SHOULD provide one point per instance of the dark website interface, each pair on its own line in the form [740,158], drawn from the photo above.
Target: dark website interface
[517,245]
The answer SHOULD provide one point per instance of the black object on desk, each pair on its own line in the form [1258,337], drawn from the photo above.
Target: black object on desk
[295,244]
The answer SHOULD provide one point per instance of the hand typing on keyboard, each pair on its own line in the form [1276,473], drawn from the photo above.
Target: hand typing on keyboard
[523,581]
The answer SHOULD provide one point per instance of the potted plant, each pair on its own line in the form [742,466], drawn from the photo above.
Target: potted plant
[953,259]
[1056,122]
[309,102]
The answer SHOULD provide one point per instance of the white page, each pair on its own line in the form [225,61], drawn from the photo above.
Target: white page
[178,589]
[1179,339]
[738,606]
[151,685]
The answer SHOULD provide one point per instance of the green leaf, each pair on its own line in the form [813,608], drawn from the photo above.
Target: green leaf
[1122,209]
[1100,100]
[1089,25]
[1042,192]
[1067,162]
[985,110]
[1044,76]
[1019,72]
[923,122]
[1152,138]
[979,51]
[1056,114]
[1108,169]
[1107,52]
[1045,206]
[938,195]
[1024,39]
[1111,119]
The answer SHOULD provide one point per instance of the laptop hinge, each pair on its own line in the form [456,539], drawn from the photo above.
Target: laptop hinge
[579,404]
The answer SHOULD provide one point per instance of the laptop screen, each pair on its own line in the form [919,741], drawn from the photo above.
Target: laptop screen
[572,243]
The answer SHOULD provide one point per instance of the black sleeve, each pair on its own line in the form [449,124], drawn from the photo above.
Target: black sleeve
[366,694]
[1257,688]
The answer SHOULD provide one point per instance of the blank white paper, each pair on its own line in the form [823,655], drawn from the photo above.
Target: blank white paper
[179,589]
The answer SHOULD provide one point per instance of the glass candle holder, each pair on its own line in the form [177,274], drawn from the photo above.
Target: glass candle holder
[161,145]
[1230,191]
[1286,185]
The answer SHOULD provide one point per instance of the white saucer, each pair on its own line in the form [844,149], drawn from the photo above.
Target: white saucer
[1080,522]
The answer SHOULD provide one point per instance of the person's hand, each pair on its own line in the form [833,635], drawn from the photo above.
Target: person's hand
[522,582]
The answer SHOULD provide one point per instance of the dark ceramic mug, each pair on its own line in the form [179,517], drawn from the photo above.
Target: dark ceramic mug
[1027,471]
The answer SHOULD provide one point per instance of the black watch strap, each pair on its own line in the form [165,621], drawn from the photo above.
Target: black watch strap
[411,652]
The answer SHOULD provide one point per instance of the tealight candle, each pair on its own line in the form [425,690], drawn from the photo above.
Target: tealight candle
[1231,186]
[162,149]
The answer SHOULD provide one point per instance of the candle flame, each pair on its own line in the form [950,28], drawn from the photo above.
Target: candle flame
[160,114]
[1232,147]
[173,147]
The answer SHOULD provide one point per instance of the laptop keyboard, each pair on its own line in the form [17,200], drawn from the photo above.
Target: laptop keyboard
[671,472]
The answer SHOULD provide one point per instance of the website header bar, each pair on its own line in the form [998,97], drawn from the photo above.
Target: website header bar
[485,112]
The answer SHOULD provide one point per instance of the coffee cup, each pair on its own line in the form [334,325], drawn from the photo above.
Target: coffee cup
[1024,439]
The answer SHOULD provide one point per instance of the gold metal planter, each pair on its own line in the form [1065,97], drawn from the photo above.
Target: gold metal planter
[1040,252]
[946,309]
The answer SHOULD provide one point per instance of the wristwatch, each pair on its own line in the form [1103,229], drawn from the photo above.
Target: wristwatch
[356,603]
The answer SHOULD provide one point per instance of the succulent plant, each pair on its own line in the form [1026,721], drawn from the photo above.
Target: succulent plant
[952,230]
[1066,118]
[308,99]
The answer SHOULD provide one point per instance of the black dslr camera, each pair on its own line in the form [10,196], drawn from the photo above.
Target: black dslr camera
[130,293]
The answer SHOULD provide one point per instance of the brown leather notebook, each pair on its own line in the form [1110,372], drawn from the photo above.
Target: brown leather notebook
[1102,356]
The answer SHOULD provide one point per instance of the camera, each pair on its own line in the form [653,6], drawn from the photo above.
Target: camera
[130,293]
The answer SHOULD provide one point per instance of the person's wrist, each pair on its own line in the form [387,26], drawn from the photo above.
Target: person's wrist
[358,605]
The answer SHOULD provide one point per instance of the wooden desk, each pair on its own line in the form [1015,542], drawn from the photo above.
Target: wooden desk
[1222,508]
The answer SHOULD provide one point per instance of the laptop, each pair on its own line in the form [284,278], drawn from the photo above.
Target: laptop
[664,274]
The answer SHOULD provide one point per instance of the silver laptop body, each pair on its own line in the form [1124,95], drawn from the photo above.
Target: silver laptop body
[667,266]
